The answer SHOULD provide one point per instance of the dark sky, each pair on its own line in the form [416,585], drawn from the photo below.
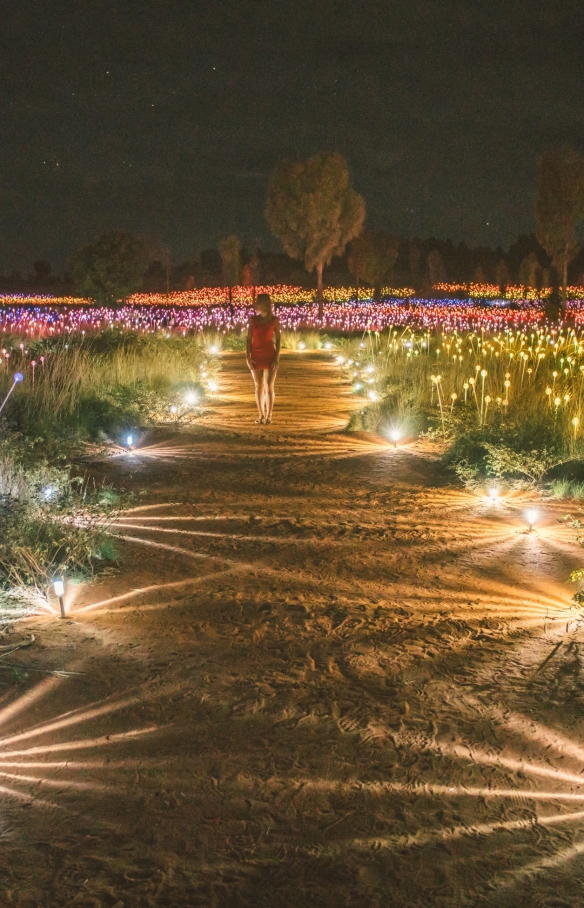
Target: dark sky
[165,117]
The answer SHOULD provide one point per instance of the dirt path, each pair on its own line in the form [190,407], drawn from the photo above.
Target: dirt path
[319,680]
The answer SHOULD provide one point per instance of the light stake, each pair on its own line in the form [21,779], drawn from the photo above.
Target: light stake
[17,378]
[395,436]
[531,516]
[59,588]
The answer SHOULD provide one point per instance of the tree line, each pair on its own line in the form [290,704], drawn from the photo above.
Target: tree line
[319,219]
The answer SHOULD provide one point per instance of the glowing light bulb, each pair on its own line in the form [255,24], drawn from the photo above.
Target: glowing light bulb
[191,397]
[212,386]
[18,377]
[48,492]
[59,590]
[302,345]
[531,516]
[129,441]
[494,494]
[395,435]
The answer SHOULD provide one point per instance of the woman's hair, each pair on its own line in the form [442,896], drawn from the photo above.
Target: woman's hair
[263,299]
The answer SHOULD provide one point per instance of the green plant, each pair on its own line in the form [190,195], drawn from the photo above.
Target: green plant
[50,522]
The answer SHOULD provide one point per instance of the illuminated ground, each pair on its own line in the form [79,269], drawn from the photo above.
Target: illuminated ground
[320,680]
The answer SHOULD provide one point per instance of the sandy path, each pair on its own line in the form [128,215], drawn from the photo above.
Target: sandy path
[319,680]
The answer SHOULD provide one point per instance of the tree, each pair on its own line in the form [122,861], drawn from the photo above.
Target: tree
[230,252]
[372,257]
[314,211]
[559,208]
[436,267]
[250,273]
[110,269]
[502,277]
[414,256]
[530,271]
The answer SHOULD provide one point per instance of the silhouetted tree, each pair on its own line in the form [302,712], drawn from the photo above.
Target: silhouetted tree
[230,252]
[42,272]
[559,208]
[530,271]
[372,257]
[314,211]
[479,275]
[436,267]
[110,269]
[502,277]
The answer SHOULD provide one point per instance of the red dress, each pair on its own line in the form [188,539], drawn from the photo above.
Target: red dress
[263,350]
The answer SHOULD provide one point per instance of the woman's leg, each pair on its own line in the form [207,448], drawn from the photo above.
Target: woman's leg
[270,391]
[260,390]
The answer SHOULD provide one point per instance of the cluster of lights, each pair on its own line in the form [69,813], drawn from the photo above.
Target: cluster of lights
[515,292]
[52,321]
[195,311]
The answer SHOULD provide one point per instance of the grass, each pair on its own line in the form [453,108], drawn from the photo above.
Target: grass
[508,406]
[567,488]
[50,522]
[94,388]
[86,389]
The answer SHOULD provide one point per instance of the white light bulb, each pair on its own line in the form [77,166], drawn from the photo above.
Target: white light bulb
[531,516]
[493,494]
[129,441]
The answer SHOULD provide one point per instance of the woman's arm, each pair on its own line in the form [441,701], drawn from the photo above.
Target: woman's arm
[248,346]
[277,341]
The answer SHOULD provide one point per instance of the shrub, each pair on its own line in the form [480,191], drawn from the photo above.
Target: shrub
[50,523]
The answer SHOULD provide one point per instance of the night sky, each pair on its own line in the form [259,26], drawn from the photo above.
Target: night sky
[166,117]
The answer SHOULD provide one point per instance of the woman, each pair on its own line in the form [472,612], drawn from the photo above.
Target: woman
[263,355]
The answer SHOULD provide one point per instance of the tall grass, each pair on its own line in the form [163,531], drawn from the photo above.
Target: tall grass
[49,523]
[89,387]
[507,405]
[84,388]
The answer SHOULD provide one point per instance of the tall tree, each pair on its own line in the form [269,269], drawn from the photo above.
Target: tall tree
[530,271]
[502,277]
[230,252]
[314,211]
[436,267]
[559,208]
[110,269]
[372,256]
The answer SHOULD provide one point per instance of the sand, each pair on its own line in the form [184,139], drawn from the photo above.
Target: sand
[326,675]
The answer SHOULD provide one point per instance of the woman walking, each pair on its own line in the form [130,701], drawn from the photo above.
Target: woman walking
[263,355]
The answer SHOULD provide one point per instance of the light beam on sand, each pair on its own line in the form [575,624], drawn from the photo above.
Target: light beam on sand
[104,604]
[68,719]
[174,548]
[421,789]
[435,836]
[554,861]
[282,540]
[27,699]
